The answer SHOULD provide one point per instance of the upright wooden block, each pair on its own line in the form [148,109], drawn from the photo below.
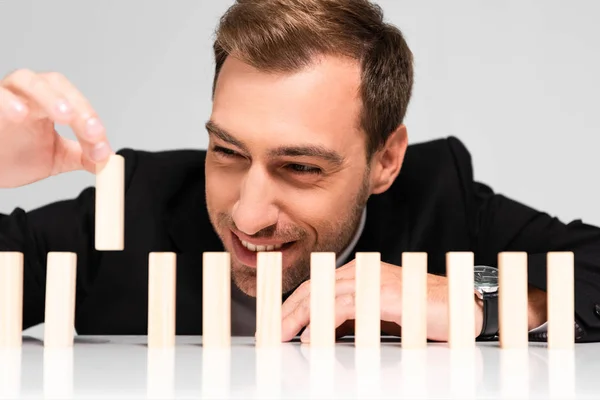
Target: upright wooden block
[322,299]
[110,203]
[561,300]
[162,281]
[216,299]
[11,299]
[59,320]
[414,300]
[268,298]
[367,330]
[512,300]
[461,299]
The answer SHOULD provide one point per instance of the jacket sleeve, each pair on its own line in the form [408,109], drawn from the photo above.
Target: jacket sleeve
[497,224]
[66,225]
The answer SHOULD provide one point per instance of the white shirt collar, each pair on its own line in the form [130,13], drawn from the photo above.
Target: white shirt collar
[342,258]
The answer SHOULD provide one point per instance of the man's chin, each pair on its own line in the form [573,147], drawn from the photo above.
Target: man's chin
[244,277]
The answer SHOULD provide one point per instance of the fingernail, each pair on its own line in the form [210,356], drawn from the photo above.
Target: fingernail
[100,152]
[94,127]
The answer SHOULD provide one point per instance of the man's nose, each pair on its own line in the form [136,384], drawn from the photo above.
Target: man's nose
[255,209]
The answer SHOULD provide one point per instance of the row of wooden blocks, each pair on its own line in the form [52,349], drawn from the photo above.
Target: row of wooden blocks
[513,297]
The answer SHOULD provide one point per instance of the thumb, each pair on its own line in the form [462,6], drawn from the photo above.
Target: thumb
[68,156]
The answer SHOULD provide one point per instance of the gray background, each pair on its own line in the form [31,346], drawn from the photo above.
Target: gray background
[515,80]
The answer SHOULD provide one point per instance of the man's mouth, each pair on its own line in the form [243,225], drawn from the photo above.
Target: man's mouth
[257,247]
[246,251]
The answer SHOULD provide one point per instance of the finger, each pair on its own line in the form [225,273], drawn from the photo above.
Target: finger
[86,124]
[67,155]
[346,271]
[11,107]
[299,316]
[36,91]
[303,291]
[344,311]
[294,299]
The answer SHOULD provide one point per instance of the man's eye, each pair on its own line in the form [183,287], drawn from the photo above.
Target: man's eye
[304,169]
[223,151]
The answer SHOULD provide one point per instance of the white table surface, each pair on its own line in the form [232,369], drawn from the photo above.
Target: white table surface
[123,367]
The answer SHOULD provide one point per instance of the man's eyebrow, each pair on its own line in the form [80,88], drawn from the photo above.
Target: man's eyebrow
[309,151]
[284,151]
[222,134]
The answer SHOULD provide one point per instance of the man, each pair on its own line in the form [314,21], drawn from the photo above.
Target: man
[307,152]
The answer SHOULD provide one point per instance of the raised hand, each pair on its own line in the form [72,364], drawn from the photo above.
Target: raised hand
[31,104]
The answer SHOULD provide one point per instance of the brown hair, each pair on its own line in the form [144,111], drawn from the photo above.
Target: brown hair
[286,35]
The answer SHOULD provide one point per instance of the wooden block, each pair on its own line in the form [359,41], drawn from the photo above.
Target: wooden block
[367,330]
[322,299]
[216,299]
[461,299]
[59,320]
[561,300]
[110,204]
[512,300]
[11,299]
[268,298]
[414,300]
[162,280]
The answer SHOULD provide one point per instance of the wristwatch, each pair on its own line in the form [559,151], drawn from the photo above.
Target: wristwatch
[486,288]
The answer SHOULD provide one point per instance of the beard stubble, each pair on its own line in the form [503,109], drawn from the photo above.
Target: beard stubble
[334,237]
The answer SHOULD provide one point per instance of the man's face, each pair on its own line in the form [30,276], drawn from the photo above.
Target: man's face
[286,165]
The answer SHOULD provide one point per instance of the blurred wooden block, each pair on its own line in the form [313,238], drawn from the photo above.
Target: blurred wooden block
[561,300]
[368,300]
[461,299]
[59,320]
[162,284]
[268,298]
[110,204]
[512,300]
[11,299]
[322,299]
[414,300]
[216,299]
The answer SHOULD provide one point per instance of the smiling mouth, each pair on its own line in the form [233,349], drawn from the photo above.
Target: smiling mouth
[246,253]
[257,248]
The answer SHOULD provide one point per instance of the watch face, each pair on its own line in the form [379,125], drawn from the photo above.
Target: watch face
[486,277]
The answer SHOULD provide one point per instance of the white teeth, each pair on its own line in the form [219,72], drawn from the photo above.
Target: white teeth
[253,247]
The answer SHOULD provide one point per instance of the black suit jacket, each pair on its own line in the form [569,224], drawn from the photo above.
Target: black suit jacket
[434,206]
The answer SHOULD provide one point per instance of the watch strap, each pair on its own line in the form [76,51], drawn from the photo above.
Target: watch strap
[490,327]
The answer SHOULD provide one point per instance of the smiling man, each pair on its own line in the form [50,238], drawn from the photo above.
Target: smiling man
[307,152]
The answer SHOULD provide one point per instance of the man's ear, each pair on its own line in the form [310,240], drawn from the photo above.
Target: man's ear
[387,162]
